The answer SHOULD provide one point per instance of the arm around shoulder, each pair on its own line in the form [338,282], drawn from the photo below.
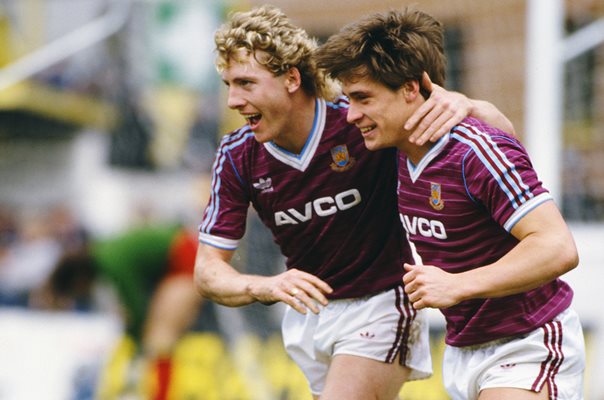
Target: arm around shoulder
[487,112]
[444,109]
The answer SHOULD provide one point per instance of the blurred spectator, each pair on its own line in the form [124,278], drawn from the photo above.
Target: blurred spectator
[8,229]
[65,228]
[29,252]
[150,269]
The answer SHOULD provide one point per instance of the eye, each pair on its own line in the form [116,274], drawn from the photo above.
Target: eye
[362,99]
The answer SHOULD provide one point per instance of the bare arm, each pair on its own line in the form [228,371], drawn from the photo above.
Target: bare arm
[444,109]
[487,112]
[164,327]
[217,280]
[546,250]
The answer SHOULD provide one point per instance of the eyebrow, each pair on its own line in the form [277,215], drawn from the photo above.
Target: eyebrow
[239,79]
[357,93]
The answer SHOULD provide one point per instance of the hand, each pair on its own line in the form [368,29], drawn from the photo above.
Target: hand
[438,114]
[430,286]
[299,289]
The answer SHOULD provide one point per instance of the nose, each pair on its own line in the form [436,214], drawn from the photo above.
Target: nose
[234,100]
[353,115]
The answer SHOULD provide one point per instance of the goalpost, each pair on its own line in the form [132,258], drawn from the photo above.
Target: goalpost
[548,50]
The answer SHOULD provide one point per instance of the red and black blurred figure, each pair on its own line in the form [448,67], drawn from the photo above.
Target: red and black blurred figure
[150,269]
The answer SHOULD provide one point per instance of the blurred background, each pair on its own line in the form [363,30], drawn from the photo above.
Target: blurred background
[110,112]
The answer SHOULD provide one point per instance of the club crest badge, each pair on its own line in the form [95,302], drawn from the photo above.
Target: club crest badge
[342,161]
[436,200]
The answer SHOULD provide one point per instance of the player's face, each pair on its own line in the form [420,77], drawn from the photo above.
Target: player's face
[379,112]
[259,96]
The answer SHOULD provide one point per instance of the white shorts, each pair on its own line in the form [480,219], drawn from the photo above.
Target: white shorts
[377,327]
[552,355]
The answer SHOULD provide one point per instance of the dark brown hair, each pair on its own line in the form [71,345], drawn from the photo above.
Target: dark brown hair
[390,48]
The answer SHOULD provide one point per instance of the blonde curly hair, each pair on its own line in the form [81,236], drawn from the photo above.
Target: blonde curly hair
[268,29]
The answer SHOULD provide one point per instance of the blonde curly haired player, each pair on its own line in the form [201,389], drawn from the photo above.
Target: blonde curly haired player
[267,35]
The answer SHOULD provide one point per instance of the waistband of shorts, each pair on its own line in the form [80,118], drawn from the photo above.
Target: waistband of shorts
[494,342]
[367,296]
[507,339]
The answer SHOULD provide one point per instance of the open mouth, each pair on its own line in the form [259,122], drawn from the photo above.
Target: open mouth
[253,119]
[367,129]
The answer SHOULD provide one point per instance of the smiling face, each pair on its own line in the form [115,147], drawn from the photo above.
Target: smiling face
[380,112]
[262,98]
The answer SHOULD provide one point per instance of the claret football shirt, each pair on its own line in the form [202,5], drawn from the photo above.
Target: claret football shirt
[332,209]
[458,206]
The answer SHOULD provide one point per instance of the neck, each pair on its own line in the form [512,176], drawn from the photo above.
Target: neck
[414,152]
[301,117]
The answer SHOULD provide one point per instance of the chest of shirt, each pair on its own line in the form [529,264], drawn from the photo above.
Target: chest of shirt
[438,205]
[341,175]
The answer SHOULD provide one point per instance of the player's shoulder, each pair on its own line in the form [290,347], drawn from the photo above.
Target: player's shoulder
[472,131]
[238,138]
[481,144]
[336,117]
[340,102]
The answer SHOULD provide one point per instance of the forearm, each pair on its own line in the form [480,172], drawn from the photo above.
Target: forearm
[487,112]
[217,280]
[536,260]
[164,327]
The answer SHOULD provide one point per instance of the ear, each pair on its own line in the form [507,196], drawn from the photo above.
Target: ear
[293,79]
[411,90]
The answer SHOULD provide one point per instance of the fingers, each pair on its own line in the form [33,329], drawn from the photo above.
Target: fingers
[411,286]
[417,116]
[437,115]
[313,292]
[428,286]
[408,276]
[304,291]
[418,304]
[301,301]
[440,126]
[421,112]
[415,296]
[435,123]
